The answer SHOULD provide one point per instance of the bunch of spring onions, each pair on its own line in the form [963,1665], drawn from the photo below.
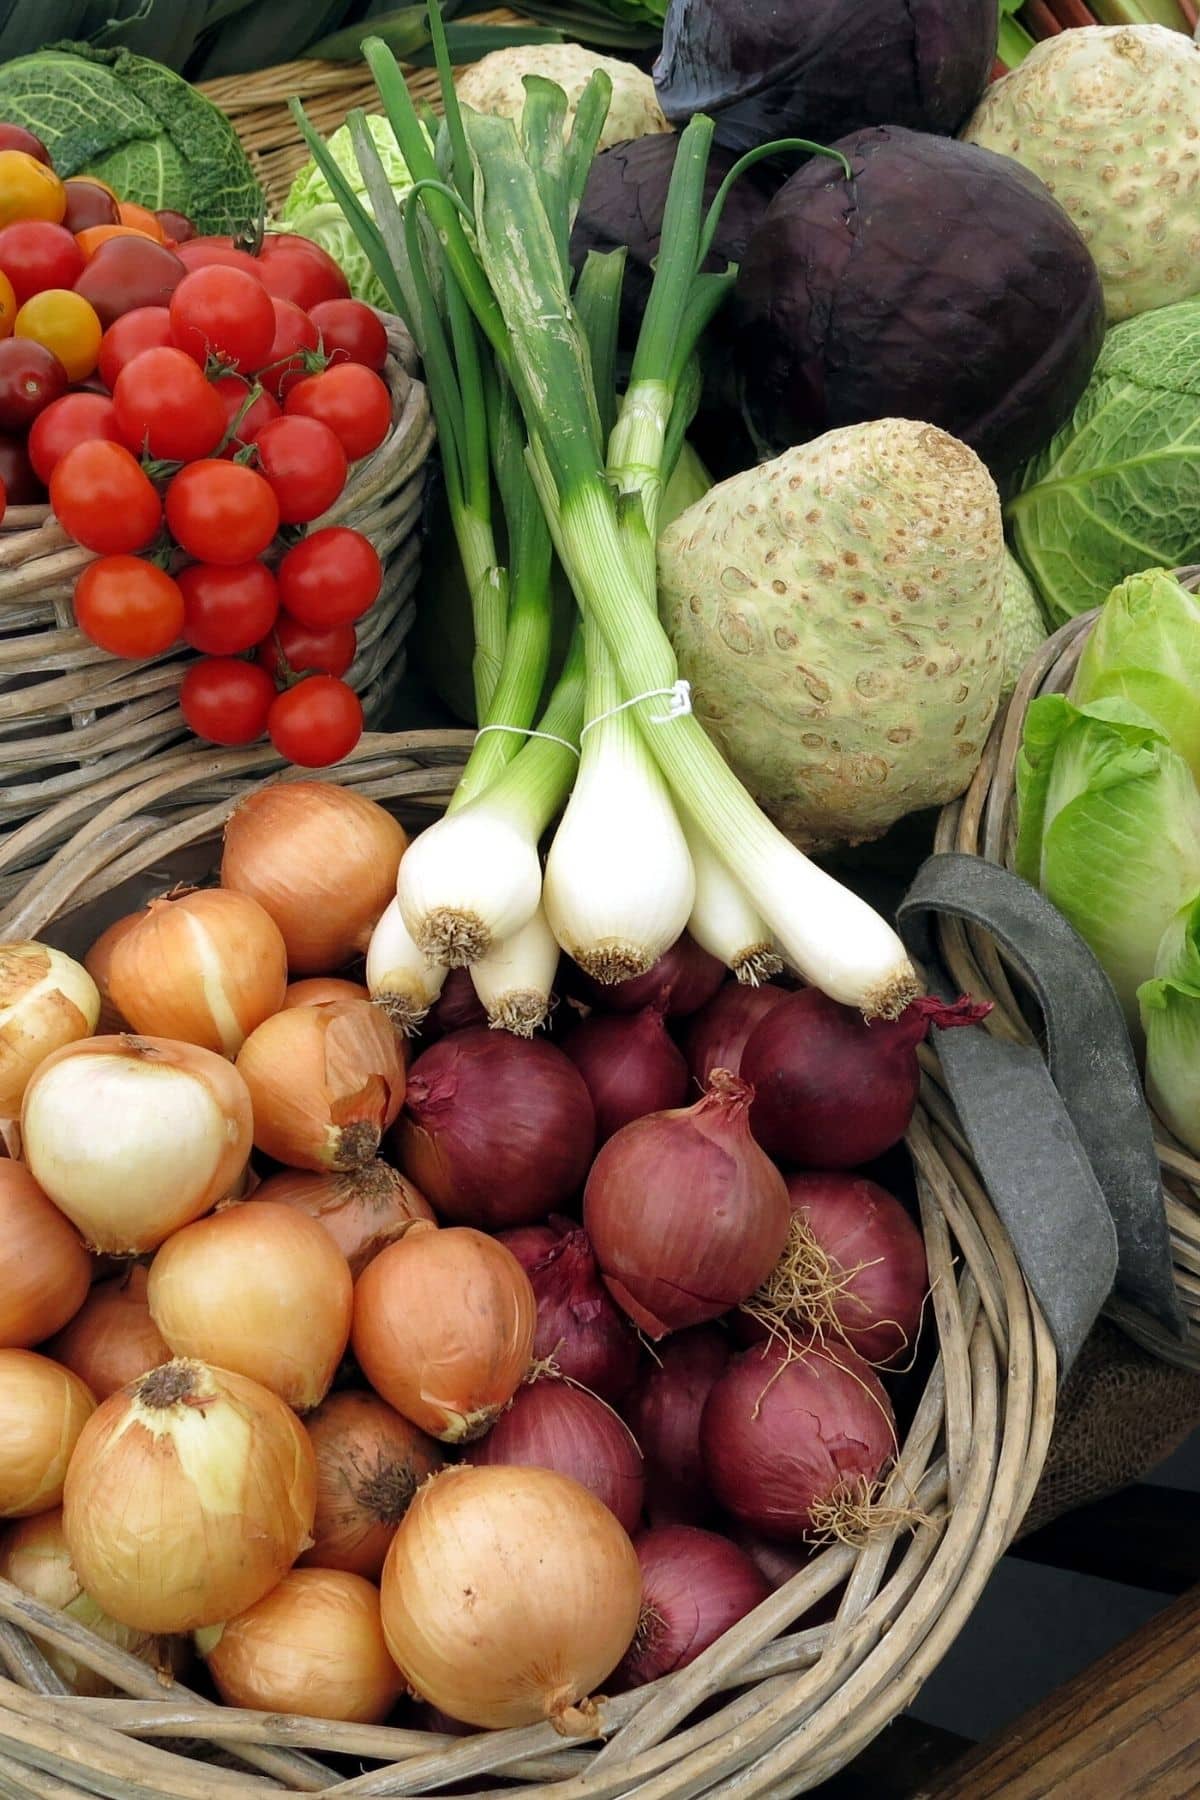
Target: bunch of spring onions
[541,457]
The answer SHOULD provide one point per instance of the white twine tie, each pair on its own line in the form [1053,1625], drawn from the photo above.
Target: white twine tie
[529,732]
[679,705]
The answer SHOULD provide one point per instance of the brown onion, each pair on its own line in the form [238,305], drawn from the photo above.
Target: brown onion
[553,1425]
[580,1330]
[325,1083]
[496,1130]
[629,1064]
[319,990]
[718,1033]
[370,1463]
[682,979]
[363,1210]
[112,1339]
[664,1413]
[43,1410]
[46,1000]
[508,1595]
[47,1271]
[98,963]
[190,1495]
[322,860]
[695,1586]
[443,1329]
[686,1214]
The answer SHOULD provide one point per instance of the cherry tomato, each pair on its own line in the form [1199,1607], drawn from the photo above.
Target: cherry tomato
[166,408]
[30,378]
[295,269]
[145,328]
[221,512]
[232,391]
[66,324]
[29,189]
[226,701]
[331,577]
[75,419]
[284,364]
[351,400]
[104,499]
[129,607]
[175,225]
[3,502]
[8,306]
[351,331]
[210,252]
[15,137]
[95,236]
[36,255]
[226,314]
[305,465]
[141,218]
[88,204]
[227,607]
[317,722]
[296,649]
[129,272]
[18,475]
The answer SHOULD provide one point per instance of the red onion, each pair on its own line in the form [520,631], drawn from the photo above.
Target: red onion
[554,1425]
[686,1214]
[695,1585]
[578,1325]
[777,1563]
[496,1130]
[717,1034]
[630,1066]
[664,1415]
[794,1443]
[682,979]
[456,1008]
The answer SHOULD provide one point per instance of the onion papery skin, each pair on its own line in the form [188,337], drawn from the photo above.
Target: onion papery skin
[680,982]
[508,1596]
[323,862]
[830,1090]
[553,1425]
[695,1587]
[314,1646]
[112,1339]
[47,1271]
[580,1329]
[133,1137]
[47,1000]
[629,1065]
[457,1008]
[777,1563]
[260,1289]
[370,1463]
[319,990]
[35,1558]
[785,1432]
[717,1035]
[325,1083]
[664,1413]
[443,1329]
[43,1411]
[190,1495]
[98,963]
[363,1210]
[686,1214]
[497,1130]
[203,966]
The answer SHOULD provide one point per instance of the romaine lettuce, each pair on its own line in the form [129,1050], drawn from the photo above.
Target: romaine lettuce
[1170,1009]
[1145,648]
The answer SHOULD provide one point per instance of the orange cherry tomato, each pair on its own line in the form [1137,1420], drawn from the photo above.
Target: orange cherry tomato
[29,190]
[141,219]
[89,241]
[8,306]
[66,325]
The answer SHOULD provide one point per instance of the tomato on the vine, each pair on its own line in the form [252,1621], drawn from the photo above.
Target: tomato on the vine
[293,268]
[35,254]
[75,419]
[351,331]
[317,722]
[233,391]
[129,607]
[228,607]
[305,465]
[102,496]
[226,701]
[221,512]
[88,205]
[284,364]
[165,407]
[331,577]
[29,189]
[295,649]
[127,272]
[145,328]
[15,137]
[226,314]
[65,323]
[351,400]
[30,378]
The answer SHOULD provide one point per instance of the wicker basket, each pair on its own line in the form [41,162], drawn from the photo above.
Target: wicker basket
[983,823]
[772,1709]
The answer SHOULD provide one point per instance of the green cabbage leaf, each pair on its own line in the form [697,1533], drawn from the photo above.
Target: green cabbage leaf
[1170,1009]
[311,209]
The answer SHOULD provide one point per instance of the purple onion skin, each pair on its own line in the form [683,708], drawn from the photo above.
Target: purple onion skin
[456,1008]
[682,979]
[717,1035]
[553,1425]
[695,1587]
[664,1414]
[630,1066]
[579,1325]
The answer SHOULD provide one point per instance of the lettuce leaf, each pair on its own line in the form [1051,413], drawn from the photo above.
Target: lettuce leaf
[1170,1010]
[1145,648]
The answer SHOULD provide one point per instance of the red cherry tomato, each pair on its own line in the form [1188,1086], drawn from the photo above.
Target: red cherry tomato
[36,255]
[128,272]
[75,419]
[351,400]
[351,331]
[232,391]
[305,465]
[284,364]
[15,137]
[226,701]
[145,328]
[295,269]
[226,314]
[88,205]
[166,408]
[102,496]
[317,722]
[30,378]
[295,649]
[227,607]
[129,607]
[18,474]
[331,577]
[221,512]
[215,252]
[176,225]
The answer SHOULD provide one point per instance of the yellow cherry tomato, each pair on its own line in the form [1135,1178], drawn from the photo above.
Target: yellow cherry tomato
[65,324]
[8,306]
[29,190]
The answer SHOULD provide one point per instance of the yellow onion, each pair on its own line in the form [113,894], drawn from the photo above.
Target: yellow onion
[363,1210]
[98,963]
[35,1558]
[112,1339]
[261,1290]
[46,1000]
[443,1329]
[132,1137]
[313,1646]
[508,1596]
[322,861]
[319,990]
[190,1494]
[46,1270]
[325,1083]
[43,1410]
[370,1463]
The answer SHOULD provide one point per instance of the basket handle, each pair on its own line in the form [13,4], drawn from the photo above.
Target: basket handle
[1066,1151]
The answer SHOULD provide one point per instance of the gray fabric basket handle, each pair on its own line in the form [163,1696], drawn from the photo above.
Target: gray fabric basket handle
[1066,1150]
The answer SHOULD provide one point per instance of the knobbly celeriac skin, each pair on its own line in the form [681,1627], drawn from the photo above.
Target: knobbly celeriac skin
[495,84]
[838,614]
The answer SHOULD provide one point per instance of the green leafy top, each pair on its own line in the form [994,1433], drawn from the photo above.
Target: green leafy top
[1145,648]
